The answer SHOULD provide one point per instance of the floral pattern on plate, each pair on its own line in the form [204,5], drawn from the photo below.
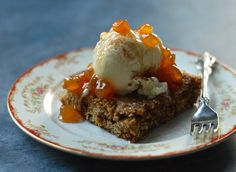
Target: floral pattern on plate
[34,102]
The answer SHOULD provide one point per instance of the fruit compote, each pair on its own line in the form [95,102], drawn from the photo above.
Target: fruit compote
[77,85]
[168,71]
[95,86]
[121,26]
[69,114]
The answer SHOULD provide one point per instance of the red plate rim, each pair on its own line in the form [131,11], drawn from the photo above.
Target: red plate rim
[36,136]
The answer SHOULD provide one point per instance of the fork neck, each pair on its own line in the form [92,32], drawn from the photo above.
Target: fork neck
[204,92]
[206,71]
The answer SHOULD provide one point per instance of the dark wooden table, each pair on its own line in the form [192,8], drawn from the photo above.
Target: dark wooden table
[31,31]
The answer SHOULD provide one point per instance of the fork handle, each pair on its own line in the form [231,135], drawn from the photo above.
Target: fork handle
[208,61]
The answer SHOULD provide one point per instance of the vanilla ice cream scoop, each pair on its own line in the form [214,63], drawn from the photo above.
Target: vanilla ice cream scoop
[120,59]
[124,59]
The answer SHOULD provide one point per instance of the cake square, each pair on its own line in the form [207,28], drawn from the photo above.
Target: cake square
[132,85]
[132,117]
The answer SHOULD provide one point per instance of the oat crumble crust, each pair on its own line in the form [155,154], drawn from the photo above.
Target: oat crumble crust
[132,117]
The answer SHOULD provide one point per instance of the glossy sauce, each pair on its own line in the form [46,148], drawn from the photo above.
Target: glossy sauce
[77,84]
[168,71]
[69,114]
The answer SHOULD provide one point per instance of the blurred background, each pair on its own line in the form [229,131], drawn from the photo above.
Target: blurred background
[34,30]
[37,29]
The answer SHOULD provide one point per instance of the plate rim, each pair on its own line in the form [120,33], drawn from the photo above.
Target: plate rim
[75,151]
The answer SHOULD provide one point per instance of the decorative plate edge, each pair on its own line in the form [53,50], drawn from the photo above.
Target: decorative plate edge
[37,136]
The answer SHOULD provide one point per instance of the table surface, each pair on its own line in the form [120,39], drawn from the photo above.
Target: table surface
[31,31]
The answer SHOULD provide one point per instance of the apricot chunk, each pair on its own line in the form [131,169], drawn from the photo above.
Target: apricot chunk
[75,83]
[121,26]
[145,29]
[104,89]
[168,71]
[150,40]
[70,115]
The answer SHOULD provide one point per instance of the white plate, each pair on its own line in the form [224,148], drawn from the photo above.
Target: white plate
[33,103]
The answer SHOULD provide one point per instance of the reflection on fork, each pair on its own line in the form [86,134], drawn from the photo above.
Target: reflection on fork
[205,120]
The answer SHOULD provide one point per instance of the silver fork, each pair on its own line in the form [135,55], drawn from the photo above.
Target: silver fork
[205,119]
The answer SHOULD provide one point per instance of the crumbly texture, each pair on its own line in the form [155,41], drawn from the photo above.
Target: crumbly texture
[132,117]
